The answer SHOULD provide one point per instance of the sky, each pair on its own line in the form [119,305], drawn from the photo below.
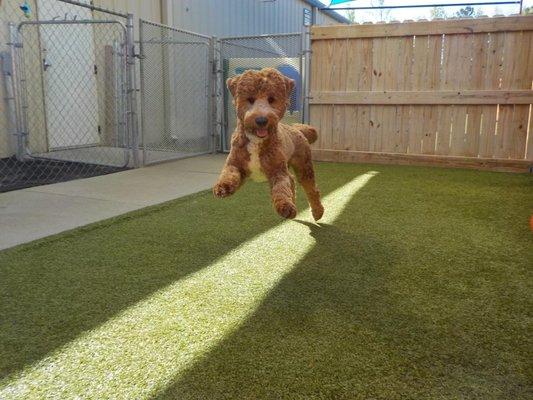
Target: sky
[420,13]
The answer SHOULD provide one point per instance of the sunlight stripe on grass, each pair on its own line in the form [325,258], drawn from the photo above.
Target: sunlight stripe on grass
[144,348]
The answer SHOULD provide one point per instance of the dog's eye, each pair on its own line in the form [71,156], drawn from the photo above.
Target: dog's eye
[271,99]
[251,100]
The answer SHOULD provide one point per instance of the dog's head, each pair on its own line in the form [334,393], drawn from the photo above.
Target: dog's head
[260,98]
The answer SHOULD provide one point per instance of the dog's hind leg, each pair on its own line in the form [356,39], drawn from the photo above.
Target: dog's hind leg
[306,177]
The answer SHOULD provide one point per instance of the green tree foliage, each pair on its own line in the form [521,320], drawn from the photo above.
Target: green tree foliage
[466,12]
[438,12]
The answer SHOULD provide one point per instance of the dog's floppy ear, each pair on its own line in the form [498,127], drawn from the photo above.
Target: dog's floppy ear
[289,85]
[232,84]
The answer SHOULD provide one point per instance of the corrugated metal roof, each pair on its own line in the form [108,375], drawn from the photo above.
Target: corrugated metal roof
[333,14]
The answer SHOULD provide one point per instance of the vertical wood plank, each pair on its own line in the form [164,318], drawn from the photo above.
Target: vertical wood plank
[491,80]
[529,144]
[442,146]
[354,69]
[365,83]
[509,67]
[504,131]
[517,149]
[419,79]
[458,76]
[327,84]
[474,112]
[529,78]
[521,72]
[391,73]
[431,113]
[405,61]
[379,63]
[339,84]
[350,112]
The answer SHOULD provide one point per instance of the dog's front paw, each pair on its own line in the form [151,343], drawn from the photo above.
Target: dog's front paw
[286,210]
[318,212]
[223,189]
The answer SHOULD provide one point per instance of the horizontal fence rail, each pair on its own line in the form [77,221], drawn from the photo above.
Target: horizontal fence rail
[434,27]
[455,91]
[425,97]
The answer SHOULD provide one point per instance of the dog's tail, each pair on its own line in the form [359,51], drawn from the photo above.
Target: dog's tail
[309,132]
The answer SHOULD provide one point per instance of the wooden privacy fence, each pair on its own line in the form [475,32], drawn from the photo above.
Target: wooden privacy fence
[451,92]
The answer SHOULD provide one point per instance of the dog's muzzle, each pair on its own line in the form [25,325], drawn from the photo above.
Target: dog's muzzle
[262,130]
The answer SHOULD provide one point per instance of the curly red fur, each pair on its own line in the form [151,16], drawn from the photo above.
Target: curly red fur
[262,146]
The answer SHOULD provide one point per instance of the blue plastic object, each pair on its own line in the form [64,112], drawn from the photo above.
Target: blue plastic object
[26,9]
[290,72]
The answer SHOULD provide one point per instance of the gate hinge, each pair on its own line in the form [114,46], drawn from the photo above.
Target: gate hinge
[95,69]
[17,45]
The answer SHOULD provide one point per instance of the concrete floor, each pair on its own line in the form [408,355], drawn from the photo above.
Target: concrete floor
[33,213]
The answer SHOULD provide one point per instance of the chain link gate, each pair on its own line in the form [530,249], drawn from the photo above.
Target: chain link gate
[68,94]
[84,105]
[283,52]
[177,92]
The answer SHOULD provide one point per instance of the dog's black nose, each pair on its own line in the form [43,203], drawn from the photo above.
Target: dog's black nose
[261,121]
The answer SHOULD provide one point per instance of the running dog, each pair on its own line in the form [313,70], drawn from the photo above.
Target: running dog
[263,148]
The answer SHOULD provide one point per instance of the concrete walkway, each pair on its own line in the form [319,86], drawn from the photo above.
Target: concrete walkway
[33,213]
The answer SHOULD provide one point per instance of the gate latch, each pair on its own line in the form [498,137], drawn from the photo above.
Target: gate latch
[46,64]
[5,57]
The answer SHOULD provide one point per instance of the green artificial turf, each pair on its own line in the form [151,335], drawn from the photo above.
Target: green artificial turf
[418,285]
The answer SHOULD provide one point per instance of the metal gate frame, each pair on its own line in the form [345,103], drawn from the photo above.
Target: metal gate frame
[210,116]
[20,91]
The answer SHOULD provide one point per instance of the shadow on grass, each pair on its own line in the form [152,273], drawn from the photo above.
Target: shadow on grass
[55,289]
[304,340]
[381,307]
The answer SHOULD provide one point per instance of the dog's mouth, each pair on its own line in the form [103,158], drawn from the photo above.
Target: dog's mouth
[261,132]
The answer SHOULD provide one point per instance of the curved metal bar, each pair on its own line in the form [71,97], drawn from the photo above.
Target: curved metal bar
[95,8]
[171,28]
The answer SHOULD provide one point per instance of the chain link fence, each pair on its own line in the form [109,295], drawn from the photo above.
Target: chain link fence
[283,52]
[176,93]
[64,91]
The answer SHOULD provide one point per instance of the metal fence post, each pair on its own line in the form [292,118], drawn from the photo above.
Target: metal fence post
[307,73]
[212,112]
[222,101]
[133,127]
[218,103]
[19,129]
[302,75]
[143,89]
